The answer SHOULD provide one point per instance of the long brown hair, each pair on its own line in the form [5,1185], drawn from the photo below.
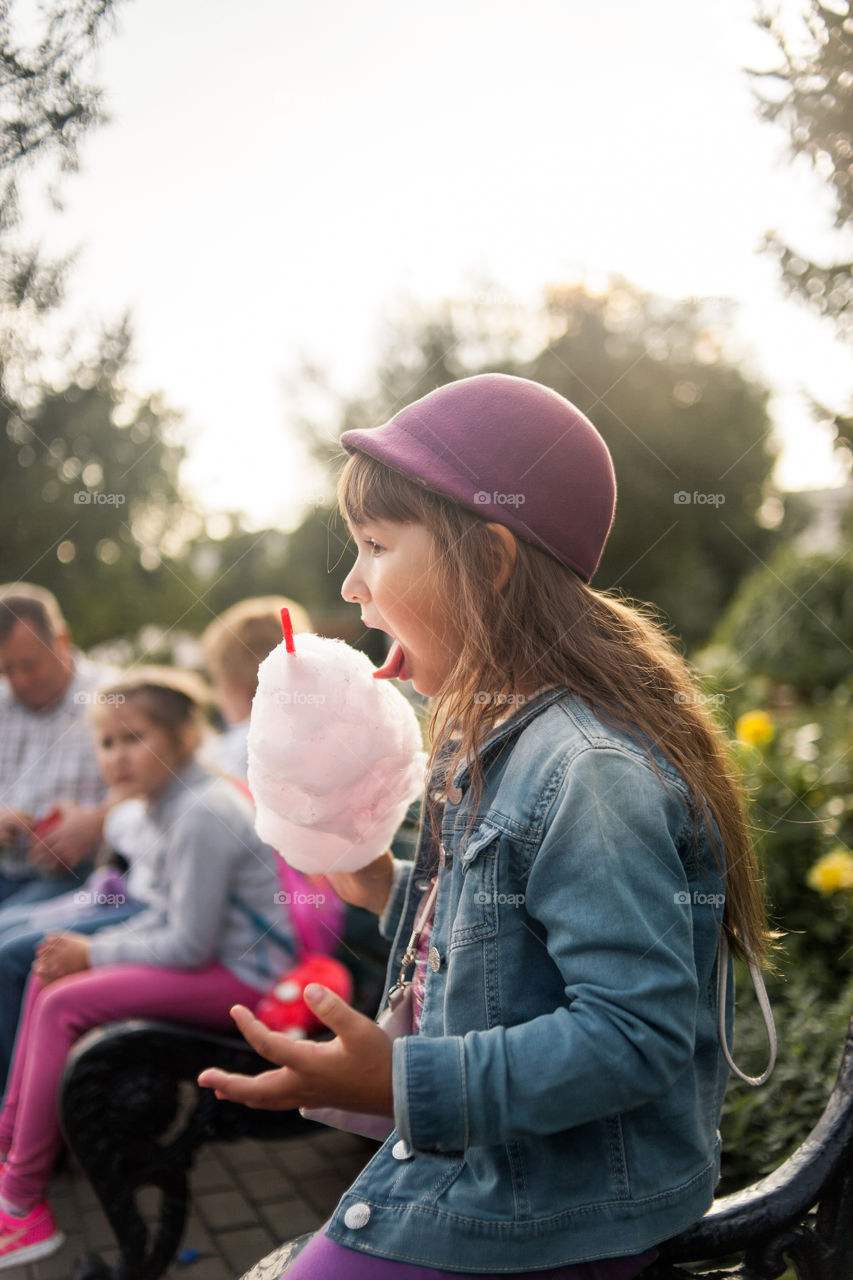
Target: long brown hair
[545,627]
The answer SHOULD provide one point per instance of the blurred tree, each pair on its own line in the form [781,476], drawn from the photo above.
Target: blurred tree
[49,102]
[90,505]
[690,438]
[688,429]
[810,93]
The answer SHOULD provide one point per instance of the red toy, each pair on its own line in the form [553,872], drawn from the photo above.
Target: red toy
[47,823]
[285,1010]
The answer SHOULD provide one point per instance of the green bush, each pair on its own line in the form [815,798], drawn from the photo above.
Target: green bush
[778,673]
[762,1127]
[792,620]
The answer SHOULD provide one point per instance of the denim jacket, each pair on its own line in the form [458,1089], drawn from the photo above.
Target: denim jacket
[561,1099]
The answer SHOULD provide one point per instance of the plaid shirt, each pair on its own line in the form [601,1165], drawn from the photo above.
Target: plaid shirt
[49,755]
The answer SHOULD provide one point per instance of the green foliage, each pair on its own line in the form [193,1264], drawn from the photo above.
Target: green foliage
[810,93]
[49,104]
[792,620]
[800,785]
[90,505]
[762,1127]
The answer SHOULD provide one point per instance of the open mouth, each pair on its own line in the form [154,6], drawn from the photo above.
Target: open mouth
[394,666]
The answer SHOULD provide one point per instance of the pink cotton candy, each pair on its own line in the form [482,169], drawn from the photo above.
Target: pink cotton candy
[335,757]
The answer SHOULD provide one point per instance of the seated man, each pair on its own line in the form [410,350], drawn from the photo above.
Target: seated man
[51,794]
[234,645]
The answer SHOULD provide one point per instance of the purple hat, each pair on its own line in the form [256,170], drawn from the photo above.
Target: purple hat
[512,451]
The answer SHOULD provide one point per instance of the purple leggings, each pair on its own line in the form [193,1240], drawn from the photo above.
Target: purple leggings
[56,1016]
[323,1259]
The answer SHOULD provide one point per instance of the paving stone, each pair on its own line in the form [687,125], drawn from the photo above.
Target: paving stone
[97,1232]
[224,1210]
[206,1268]
[262,1186]
[289,1218]
[248,1154]
[323,1193]
[197,1236]
[242,1249]
[300,1158]
[210,1174]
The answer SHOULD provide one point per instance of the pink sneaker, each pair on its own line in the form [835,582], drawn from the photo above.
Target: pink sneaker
[26,1239]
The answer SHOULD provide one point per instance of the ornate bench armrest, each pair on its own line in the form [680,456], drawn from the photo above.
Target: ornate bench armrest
[134,1117]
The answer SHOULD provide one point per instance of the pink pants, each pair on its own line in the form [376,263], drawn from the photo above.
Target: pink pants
[56,1016]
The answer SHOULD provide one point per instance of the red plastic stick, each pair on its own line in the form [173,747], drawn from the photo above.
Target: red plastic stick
[287,628]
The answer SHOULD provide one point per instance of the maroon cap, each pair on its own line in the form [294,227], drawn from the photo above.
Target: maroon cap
[512,451]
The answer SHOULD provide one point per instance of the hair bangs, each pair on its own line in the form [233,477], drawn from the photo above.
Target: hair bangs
[370,490]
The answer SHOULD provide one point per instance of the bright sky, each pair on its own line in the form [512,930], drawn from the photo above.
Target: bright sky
[279,175]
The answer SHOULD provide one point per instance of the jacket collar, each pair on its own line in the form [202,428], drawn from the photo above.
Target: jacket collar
[513,725]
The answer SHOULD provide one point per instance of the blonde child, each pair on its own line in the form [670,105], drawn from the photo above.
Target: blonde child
[200,944]
[556,1107]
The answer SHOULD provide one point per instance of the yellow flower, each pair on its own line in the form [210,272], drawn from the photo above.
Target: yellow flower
[755,727]
[832,872]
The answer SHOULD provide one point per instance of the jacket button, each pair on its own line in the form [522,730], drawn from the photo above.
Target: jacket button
[401,1150]
[434,959]
[357,1216]
[454,794]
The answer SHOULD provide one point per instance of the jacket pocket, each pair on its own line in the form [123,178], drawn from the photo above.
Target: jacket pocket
[476,915]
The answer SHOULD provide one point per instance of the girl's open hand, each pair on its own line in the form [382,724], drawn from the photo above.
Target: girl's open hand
[352,1071]
[60,954]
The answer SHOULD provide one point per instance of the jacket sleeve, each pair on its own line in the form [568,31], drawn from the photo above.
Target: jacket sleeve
[609,889]
[202,855]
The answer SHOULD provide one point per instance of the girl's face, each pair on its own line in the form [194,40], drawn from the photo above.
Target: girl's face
[136,757]
[394,582]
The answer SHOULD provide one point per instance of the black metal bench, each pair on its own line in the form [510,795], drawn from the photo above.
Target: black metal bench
[800,1216]
[134,1117]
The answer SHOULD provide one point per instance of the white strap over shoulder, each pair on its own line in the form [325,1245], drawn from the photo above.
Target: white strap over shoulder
[764,1005]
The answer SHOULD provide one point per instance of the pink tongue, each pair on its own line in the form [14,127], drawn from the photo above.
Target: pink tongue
[393,664]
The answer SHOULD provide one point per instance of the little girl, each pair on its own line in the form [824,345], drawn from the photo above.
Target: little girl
[556,1111]
[209,935]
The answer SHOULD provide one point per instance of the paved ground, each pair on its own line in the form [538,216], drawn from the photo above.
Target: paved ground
[247,1197]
